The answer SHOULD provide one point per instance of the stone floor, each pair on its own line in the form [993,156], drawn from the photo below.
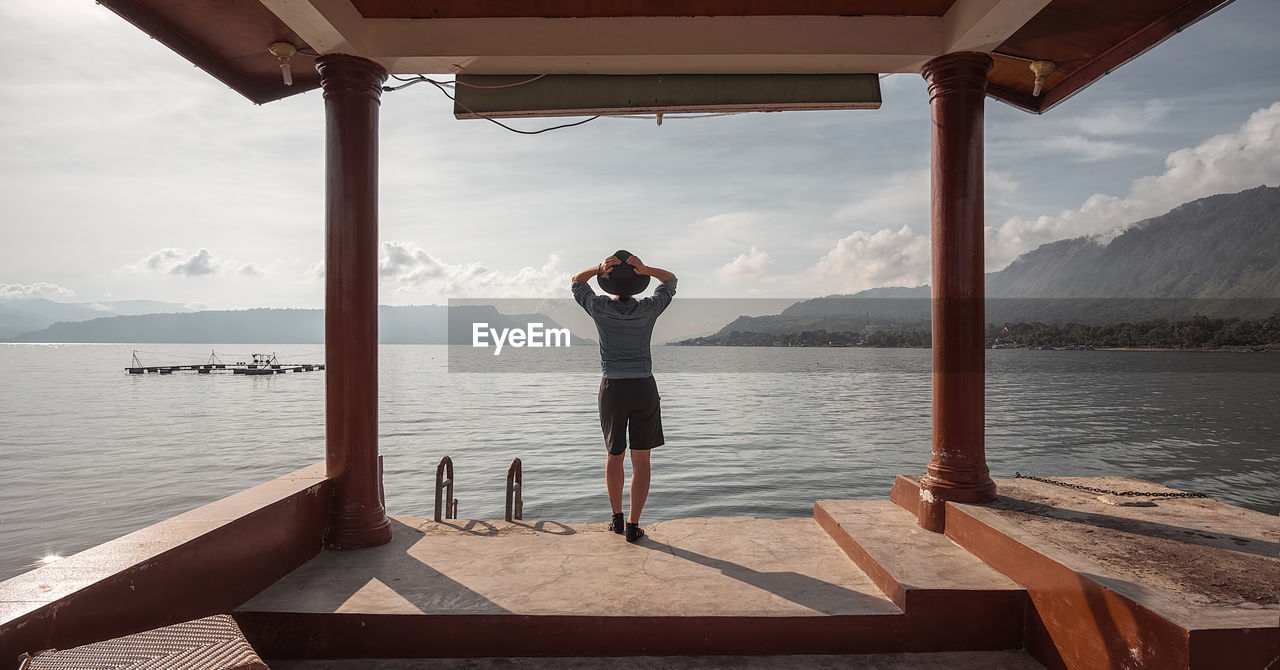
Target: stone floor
[685,567]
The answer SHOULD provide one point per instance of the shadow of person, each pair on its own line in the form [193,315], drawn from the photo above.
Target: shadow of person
[815,594]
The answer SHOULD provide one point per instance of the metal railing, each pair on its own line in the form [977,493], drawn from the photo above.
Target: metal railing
[444,482]
[515,486]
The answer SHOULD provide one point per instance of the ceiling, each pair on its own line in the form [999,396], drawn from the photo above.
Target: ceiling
[1085,39]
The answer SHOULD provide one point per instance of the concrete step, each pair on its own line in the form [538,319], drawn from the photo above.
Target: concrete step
[906,493]
[1145,581]
[1173,583]
[926,574]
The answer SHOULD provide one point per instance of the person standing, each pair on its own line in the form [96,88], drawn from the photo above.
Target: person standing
[628,400]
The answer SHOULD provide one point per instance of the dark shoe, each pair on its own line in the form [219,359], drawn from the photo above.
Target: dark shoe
[616,524]
[634,532]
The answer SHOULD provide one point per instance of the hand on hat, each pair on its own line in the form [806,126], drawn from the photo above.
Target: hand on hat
[609,264]
[635,262]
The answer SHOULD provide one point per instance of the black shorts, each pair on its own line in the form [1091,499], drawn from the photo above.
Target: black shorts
[630,406]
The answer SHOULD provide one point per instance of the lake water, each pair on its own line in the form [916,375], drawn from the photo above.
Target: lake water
[90,453]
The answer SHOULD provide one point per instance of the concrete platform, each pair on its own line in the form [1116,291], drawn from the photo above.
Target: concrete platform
[687,567]
[490,588]
[1173,583]
[1080,580]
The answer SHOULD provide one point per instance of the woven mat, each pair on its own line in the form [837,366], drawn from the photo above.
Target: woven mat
[212,643]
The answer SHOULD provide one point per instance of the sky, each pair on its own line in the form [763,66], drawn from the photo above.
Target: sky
[126,173]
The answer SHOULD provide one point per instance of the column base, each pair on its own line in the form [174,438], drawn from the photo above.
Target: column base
[358,531]
[935,492]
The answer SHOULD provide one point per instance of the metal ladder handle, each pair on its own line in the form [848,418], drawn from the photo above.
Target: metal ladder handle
[382,491]
[444,481]
[515,487]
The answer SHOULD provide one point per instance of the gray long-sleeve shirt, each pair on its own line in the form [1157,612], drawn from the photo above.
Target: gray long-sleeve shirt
[625,328]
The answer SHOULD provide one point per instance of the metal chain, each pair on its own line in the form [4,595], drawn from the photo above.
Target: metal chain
[1091,489]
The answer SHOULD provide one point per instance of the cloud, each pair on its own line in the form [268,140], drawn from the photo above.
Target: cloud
[867,260]
[1088,149]
[728,226]
[998,185]
[729,223]
[1123,120]
[1097,134]
[175,261]
[201,263]
[408,269]
[1061,146]
[893,254]
[901,201]
[1227,163]
[36,290]
[745,268]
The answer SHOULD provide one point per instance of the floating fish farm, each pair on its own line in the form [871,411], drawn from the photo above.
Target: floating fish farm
[259,364]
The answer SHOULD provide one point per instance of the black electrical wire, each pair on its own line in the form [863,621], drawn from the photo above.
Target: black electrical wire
[441,85]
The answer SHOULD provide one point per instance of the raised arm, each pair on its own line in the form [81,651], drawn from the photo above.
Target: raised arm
[657,273]
[599,269]
[587,274]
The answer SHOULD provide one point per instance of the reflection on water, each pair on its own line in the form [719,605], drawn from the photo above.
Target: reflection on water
[92,453]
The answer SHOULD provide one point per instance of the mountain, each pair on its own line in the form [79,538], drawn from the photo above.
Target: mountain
[1220,247]
[419,324]
[29,314]
[1217,256]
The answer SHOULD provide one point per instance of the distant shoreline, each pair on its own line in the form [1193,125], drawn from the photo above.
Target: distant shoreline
[1227,349]
[1199,333]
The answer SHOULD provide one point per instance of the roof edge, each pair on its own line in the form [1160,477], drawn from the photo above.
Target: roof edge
[165,34]
[1107,62]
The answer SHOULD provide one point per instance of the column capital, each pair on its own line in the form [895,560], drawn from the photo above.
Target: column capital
[343,73]
[957,72]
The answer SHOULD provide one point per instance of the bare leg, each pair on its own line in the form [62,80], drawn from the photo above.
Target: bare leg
[613,481]
[639,483]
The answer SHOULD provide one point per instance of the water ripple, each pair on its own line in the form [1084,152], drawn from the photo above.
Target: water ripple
[92,453]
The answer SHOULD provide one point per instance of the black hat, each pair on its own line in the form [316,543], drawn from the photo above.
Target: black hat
[622,279]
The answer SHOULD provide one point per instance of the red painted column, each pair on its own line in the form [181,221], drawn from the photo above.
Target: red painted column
[958,467]
[352,93]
